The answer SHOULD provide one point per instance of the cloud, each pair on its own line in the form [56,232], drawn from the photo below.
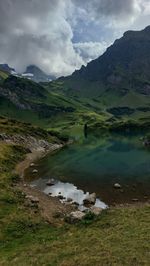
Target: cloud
[90,50]
[114,12]
[37,32]
[61,35]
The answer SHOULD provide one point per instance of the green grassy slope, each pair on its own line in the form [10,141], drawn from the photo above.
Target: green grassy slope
[52,105]
[3,75]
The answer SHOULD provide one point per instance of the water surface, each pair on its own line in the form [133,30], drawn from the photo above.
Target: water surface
[96,163]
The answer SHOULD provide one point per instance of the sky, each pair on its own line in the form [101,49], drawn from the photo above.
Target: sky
[60,36]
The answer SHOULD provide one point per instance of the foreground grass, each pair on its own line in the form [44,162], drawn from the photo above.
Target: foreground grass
[118,237]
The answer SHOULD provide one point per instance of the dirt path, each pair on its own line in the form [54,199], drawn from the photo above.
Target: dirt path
[51,209]
[30,158]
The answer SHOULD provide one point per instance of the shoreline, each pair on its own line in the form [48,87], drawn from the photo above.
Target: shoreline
[51,208]
[36,155]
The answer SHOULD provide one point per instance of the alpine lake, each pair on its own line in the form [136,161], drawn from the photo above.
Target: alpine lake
[95,163]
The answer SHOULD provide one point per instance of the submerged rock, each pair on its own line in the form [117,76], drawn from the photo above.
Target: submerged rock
[90,199]
[76,216]
[69,200]
[51,182]
[117,185]
[35,171]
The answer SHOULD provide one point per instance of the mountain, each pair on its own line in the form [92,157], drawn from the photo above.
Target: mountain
[36,74]
[113,89]
[124,67]
[7,68]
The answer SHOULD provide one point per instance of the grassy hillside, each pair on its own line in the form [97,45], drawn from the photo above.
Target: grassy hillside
[3,75]
[120,236]
[53,106]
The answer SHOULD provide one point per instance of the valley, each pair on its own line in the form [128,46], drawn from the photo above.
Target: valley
[90,133]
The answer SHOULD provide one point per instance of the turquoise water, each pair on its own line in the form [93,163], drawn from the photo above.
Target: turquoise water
[95,163]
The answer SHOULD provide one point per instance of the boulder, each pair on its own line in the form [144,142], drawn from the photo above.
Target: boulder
[51,182]
[90,199]
[61,197]
[117,185]
[69,200]
[32,199]
[75,216]
[35,171]
[32,164]
[135,200]
[96,210]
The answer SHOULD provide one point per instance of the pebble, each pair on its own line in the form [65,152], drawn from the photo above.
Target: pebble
[35,171]
[117,185]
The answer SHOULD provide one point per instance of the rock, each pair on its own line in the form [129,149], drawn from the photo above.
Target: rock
[58,215]
[51,182]
[32,164]
[76,216]
[35,171]
[60,197]
[76,203]
[32,199]
[145,197]
[96,210]
[90,199]
[135,200]
[146,143]
[117,185]
[59,193]
[69,200]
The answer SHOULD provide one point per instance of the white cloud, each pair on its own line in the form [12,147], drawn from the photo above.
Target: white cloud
[42,32]
[90,50]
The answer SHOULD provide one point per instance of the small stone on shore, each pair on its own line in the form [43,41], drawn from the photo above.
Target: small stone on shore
[90,199]
[135,200]
[32,199]
[60,197]
[69,200]
[74,217]
[96,210]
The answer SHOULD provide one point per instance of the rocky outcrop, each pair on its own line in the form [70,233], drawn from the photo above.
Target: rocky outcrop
[29,142]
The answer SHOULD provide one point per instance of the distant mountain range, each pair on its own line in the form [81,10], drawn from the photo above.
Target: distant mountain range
[5,67]
[32,72]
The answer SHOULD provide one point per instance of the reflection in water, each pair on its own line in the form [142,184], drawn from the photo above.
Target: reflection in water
[68,191]
[85,130]
[96,163]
